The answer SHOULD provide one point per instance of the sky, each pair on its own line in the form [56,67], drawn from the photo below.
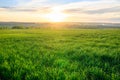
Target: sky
[60,11]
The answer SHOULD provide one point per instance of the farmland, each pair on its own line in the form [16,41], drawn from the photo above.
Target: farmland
[74,54]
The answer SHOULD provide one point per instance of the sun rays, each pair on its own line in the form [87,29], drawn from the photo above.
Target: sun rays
[56,15]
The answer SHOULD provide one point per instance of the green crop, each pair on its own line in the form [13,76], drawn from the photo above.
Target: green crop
[80,54]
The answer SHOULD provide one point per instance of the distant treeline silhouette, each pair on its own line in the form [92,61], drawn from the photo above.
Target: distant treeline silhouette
[67,25]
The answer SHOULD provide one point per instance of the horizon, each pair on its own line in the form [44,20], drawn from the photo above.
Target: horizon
[62,22]
[51,11]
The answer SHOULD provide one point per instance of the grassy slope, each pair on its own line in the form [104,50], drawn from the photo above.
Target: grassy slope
[86,54]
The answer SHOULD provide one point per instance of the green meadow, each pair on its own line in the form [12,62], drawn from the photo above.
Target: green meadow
[69,54]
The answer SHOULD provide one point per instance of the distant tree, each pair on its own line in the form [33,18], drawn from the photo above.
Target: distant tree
[4,27]
[18,27]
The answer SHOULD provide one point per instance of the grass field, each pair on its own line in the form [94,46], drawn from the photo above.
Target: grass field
[80,54]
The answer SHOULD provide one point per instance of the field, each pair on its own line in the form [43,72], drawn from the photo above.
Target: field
[74,54]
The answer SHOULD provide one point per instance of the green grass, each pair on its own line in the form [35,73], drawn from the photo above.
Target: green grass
[83,54]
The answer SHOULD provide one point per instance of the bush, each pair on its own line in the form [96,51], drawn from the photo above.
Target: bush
[18,27]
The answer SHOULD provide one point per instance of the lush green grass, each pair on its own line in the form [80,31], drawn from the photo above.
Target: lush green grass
[85,54]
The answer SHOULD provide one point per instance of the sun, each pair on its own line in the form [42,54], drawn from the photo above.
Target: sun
[56,15]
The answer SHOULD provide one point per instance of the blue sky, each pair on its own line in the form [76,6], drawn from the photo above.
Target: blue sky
[7,3]
[67,10]
[14,2]
[10,3]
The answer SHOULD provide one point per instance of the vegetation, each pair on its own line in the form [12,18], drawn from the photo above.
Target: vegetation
[58,25]
[79,54]
[19,27]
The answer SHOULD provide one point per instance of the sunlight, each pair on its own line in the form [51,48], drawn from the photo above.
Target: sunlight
[56,15]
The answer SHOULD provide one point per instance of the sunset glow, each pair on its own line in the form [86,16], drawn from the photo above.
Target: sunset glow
[56,15]
[60,10]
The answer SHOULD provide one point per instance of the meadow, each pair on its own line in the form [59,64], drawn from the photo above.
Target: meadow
[69,54]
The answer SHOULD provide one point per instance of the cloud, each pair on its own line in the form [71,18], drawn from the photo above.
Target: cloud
[21,9]
[115,19]
[30,3]
[80,10]
[15,9]
[93,7]
[36,6]
[105,10]
[99,10]
[96,11]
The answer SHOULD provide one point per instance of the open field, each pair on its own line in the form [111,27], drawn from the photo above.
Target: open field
[75,54]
